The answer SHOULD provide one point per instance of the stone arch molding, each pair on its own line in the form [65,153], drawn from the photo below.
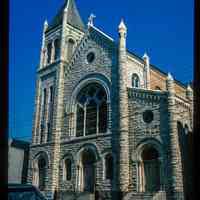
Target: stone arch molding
[80,166]
[45,156]
[91,78]
[145,143]
[137,157]
[66,156]
[41,154]
[90,146]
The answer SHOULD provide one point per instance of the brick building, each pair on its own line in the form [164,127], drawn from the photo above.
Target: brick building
[106,119]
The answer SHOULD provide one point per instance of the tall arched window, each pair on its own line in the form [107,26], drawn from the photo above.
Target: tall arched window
[49,52]
[42,173]
[109,167]
[57,49]
[68,169]
[70,48]
[91,113]
[50,112]
[135,81]
[43,117]
[151,169]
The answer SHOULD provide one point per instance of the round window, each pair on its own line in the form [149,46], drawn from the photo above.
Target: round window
[148,116]
[90,57]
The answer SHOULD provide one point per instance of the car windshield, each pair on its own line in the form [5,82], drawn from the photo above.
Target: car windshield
[23,195]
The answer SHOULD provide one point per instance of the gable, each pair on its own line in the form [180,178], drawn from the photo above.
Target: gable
[102,48]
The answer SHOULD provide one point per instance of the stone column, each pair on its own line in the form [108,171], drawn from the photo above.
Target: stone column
[138,175]
[175,177]
[146,71]
[42,53]
[123,151]
[52,51]
[162,177]
[109,125]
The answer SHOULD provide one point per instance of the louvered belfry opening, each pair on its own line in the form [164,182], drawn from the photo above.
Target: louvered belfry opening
[91,113]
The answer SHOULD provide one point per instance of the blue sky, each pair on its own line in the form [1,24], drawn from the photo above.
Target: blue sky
[164,29]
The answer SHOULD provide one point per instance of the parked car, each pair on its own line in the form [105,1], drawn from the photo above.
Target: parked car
[24,192]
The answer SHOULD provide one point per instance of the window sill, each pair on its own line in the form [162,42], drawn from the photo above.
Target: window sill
[76,139]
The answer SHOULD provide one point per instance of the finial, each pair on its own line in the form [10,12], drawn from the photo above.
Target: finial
[66,8]
[45,25]
[45,22]
[189,89]
[91,19]
[169,77]
[122,26]
[145,56]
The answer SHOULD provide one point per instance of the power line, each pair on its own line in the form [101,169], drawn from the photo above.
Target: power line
[14,127]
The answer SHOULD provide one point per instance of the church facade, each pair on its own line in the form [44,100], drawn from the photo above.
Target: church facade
[106,119]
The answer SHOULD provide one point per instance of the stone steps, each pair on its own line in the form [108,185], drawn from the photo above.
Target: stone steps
[138,196]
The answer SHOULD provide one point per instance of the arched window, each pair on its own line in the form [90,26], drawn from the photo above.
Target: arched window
[157,88]
[70,48]
[91,113]
[50,111]
[135,81]
[57,49]
[49,52]
[91,117]
[68,169]
[42,173]
[151,169]
[43,117]
[109,167]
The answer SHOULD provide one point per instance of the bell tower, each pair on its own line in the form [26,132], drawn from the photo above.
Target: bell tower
[59,40]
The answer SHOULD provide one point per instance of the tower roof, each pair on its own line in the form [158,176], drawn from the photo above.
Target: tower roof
[73,16]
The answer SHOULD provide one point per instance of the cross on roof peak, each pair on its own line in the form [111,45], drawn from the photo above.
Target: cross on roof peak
[91,19]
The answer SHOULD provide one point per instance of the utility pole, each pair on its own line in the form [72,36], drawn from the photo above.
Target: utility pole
[196,125]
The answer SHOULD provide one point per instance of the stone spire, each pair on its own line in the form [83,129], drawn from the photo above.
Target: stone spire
[123,151]
[147,70]
[73,16]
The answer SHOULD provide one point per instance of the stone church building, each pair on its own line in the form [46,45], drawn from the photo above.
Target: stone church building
[106,119]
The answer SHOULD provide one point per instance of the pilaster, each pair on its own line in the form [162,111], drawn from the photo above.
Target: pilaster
[63,36]
[123,165]
[175,179]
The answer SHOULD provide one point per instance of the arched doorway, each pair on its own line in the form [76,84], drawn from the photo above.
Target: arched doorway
[87,170]
[150,169]
[40,167]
